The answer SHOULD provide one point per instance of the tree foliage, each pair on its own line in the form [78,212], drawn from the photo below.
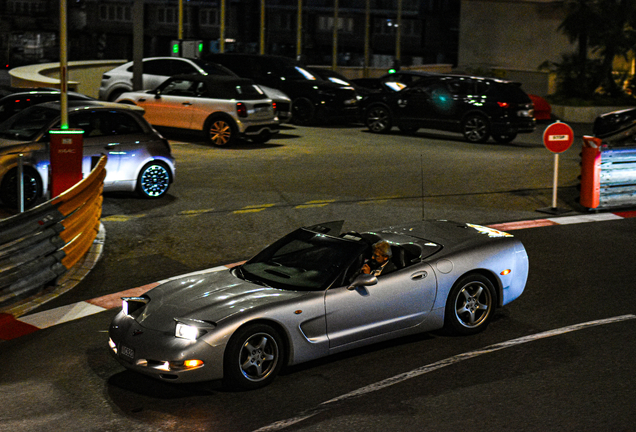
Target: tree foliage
[605,28]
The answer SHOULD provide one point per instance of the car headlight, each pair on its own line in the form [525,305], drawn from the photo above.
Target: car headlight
[191,329]
[186,331]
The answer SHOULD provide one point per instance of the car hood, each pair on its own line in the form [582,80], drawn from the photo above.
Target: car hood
[9,146]
[209,296]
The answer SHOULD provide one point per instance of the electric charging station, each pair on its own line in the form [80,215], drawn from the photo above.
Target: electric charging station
[66,151]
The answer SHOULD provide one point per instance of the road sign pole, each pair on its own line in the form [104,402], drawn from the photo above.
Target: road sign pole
[555,181]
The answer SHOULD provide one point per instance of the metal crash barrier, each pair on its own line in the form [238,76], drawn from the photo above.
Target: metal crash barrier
[42,244]
[608,174]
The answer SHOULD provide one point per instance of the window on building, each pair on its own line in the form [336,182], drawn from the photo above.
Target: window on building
[345,25]
[115,13]
[209,17]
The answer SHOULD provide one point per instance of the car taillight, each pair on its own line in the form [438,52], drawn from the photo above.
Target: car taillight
[241,109]
[503,104]
[274,106]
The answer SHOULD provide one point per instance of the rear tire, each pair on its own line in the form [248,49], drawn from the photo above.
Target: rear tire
[154,180]
[221,131]
[476,128]
[378,119]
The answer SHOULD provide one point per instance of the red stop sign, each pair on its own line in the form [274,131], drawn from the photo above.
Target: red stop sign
[558,137]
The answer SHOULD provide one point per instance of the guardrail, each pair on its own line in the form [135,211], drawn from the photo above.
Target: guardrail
[42,244]
[608,174]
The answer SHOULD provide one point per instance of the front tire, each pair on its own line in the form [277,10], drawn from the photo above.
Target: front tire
[476,128]
[221,132]
[470,305]
[253,357]
[154,180]
[378,119]
[9,188]
[303,111]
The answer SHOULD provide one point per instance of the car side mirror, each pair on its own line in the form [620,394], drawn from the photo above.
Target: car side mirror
[363,280]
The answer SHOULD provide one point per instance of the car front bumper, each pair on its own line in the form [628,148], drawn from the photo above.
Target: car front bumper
[162,355]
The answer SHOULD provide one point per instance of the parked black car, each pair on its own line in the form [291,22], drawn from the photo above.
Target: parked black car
[390,82]
[16,102]
[474,106]
[313,99]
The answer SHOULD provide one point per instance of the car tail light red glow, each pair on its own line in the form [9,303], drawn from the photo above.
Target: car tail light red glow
[503,104]
[274,106]
[241,109]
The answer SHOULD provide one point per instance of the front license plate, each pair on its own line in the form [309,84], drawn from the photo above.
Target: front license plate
[127,353]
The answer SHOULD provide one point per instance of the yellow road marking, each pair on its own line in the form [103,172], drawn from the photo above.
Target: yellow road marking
[253,208]
[121,218]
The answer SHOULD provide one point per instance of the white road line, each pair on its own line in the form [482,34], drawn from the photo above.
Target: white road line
[437,365]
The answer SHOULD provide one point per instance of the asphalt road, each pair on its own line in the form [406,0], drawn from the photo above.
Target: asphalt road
[228,203]
[63,378]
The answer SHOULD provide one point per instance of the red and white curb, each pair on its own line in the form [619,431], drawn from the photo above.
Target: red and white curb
[12,327]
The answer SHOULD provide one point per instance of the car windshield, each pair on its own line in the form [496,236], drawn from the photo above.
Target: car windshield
[213,68]
[302,261]
[26,124]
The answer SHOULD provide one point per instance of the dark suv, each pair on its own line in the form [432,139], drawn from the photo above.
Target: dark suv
[313,100]
[476,107]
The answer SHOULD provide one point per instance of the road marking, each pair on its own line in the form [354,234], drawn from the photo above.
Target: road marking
[435,366]
[194,212]
[315,203]
[253,208]
[121,218]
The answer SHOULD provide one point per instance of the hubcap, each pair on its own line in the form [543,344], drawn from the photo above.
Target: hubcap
[220,132]
[155,180]
[473,305]
[475,129]
[377,120]
[258,357]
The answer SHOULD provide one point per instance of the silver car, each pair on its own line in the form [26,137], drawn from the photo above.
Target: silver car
[304,297]
[224,108]
[139,158]
[158,69]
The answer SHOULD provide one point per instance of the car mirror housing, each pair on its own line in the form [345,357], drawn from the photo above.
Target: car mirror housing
[363,280]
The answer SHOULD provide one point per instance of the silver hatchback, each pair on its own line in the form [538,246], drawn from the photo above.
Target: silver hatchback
[139,158]
[224,108]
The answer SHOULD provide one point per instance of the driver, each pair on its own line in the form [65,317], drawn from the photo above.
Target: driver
[380,256]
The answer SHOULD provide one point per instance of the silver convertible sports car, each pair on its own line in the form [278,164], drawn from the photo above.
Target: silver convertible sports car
[303,297]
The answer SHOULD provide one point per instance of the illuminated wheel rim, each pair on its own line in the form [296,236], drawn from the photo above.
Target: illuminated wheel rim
[155,181]
[258,357]
[473,304]
[220,133]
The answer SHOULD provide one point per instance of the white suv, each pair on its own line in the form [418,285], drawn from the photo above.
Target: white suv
[157,69]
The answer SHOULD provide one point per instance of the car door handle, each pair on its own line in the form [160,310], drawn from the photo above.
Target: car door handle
[187,103]
[419,275]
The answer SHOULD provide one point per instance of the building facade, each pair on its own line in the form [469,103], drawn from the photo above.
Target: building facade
[102,29]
